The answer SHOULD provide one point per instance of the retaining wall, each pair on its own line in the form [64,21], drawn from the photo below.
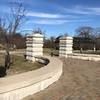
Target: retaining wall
[19,86]
[85,56]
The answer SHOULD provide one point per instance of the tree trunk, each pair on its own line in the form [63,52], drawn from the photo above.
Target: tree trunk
[7,58]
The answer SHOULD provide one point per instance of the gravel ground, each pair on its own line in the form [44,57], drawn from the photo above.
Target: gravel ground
[80,81]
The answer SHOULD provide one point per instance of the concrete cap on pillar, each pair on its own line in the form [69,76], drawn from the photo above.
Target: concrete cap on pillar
[66,38]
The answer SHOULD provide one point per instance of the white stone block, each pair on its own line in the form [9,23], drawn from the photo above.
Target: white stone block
[65,46]
[34,45]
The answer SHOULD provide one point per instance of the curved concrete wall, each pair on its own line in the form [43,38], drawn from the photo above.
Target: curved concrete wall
[18,86]
[90,57]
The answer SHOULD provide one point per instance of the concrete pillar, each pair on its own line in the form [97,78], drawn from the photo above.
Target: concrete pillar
[34,44]
[65,46]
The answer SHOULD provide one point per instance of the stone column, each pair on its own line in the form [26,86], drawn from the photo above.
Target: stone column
[34,43]
[65,46]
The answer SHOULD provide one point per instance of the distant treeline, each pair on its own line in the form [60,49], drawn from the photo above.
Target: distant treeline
[86,43]
[16,41]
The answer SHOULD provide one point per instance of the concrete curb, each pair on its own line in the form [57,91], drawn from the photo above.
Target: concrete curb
[89,57]
[19,86]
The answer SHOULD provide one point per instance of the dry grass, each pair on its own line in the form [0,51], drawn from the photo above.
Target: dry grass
[47,51]
[19,65]
[80,81]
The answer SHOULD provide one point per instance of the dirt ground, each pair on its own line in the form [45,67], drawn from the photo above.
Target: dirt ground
[80,81]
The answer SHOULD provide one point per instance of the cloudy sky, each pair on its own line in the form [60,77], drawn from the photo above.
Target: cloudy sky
[57,16]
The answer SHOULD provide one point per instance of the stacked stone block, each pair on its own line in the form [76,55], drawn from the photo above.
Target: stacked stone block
[34,43]
[65,46]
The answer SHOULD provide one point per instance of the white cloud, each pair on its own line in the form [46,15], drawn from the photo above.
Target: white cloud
[49,15]
[53,22]
[50,22]
[82,10]
[94,10]
[43,15]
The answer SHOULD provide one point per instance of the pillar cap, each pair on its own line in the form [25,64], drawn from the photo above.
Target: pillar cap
[35,35]
[66,37]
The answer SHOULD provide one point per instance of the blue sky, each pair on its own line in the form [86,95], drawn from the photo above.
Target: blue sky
[57,17]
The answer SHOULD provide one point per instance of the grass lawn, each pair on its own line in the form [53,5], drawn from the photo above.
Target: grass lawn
[88,52]
[19,65]
[47,51]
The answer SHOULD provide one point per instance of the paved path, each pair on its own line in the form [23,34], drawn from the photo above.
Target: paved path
[80,81]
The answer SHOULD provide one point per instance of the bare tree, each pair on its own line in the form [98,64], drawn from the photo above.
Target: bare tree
[66,34]
[85,31]
[97,32]
[85,37]
[38,30]
[10,26]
